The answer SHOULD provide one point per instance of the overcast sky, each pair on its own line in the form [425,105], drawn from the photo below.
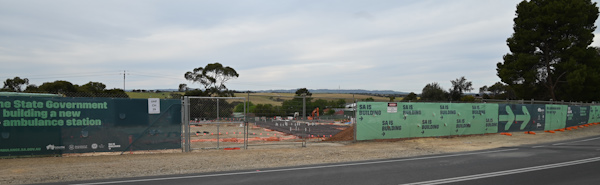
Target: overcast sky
[399,45]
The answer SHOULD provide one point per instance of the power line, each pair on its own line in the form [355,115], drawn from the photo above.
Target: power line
[44,76]
[158,76]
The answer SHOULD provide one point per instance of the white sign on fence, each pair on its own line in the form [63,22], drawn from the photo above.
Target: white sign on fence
[153,106]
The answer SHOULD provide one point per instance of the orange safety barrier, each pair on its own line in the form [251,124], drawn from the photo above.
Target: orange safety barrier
[506,134]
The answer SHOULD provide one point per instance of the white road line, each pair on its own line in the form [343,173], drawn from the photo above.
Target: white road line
[298,168]
[556,144]
[506,172]
[577,141]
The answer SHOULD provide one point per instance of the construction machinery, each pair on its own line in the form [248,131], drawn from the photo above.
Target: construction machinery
[316,111]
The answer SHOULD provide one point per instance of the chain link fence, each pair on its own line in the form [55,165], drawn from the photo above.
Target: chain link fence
[295,120]
[213,124]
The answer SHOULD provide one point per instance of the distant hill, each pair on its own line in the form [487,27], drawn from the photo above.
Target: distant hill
[336,91]
[324,91]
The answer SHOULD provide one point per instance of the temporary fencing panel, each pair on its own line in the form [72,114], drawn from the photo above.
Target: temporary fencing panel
[380,120]
[521,117]
[46,125]
[556,117]
[212,123]
[376,120]
[594,114]
[303,108]
[295,120]
[577,115]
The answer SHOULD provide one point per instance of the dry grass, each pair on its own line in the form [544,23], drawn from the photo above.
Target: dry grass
[145,95]
[276,99]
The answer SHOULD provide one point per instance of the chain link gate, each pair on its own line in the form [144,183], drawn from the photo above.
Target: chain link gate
[212,123]
[296,120]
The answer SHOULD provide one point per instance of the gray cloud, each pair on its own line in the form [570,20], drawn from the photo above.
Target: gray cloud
[396,45]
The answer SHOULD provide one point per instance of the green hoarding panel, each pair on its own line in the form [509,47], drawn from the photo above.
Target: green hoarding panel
[445,119]
[556,117]
[18,141]
[520,117]
[594,114]
[486,114]
[436,119]
[44,125]
[492,118]
[577,115]
[377,120]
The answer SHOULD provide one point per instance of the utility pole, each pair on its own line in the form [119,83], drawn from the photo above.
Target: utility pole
[124,73]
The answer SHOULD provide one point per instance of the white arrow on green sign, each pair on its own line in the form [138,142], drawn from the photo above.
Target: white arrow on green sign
[513,118]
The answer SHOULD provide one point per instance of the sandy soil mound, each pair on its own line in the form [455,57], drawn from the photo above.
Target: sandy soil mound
[345,135]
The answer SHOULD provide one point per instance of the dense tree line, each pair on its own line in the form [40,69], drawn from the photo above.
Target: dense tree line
[296,104]
[550,55]
[90,89]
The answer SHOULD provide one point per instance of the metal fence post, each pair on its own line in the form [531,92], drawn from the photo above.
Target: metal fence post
[246,123]
[218,124]
[182,125]
[186,123]
[304,107]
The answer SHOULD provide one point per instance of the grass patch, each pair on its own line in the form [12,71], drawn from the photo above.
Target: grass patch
[145,95]
[278,98]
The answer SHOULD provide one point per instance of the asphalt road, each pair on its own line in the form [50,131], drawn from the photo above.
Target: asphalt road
[566,162]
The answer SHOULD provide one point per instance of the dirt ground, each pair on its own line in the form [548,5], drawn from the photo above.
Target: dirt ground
[302,129]
[103,166]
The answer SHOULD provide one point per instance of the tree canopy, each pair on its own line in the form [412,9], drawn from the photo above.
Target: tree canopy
[303,91]
[497,91]
[434,92]
[410,97]
[459,87]
[183,87]
[90,89]
[59,86]
[213,78]
[15,84]
[550,57]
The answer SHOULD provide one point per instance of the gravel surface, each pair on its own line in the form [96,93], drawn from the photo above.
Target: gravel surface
[103,166]
[304,129]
